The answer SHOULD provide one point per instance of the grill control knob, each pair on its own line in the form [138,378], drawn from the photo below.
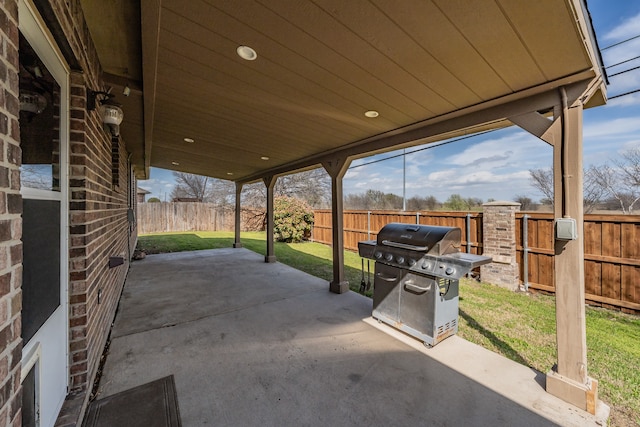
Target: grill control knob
[449,271]
[388,257]
[412,262]
[378,255]
[426,265]
[400,259]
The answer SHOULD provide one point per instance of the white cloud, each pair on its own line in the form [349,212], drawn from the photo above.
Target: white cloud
[629,28]
[516,150]
[625,101]
[630,144]
[609,129]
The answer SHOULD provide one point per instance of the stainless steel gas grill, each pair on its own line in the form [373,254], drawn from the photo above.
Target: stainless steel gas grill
[416,278]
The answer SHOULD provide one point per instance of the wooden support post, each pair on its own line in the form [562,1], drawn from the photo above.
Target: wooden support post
[337,168]
[569,380]
[237,243]
[270,183]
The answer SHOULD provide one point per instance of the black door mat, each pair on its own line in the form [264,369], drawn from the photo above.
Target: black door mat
[153,404]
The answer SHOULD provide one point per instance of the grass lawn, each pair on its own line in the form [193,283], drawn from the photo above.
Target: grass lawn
[518,326]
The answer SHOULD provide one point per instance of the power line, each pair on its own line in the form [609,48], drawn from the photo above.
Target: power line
[622,72]
[621,42]
[620,63]
[624,94]
[429,146]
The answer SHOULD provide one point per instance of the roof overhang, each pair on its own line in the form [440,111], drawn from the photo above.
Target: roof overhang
[432,69]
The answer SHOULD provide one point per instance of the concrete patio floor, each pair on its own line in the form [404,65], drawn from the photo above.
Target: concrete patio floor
[257,344]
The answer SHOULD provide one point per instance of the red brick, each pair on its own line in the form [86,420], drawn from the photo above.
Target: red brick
[78,321]
[16,303]
[4,124]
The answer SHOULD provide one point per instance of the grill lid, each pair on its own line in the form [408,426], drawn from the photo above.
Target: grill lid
[429,239]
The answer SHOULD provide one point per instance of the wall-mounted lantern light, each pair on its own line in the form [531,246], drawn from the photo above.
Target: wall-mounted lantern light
[32,103]
[110,111]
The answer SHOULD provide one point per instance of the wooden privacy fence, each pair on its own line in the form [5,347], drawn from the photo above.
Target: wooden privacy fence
[165,217]
[611,242]
[611,257]
[364,225]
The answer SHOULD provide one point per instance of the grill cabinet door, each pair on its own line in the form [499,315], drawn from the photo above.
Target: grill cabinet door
[386,293]
[418,303]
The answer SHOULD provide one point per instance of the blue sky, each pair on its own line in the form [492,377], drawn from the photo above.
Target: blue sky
[496,165]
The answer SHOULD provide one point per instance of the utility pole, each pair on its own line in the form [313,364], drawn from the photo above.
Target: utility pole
[404,179]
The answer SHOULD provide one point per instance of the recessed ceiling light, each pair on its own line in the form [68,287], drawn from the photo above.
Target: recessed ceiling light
[229,173]
[371,114]
[175,163]
[264,158]
[189,140]
[245,52]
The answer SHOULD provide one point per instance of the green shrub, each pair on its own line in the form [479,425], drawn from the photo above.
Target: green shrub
[293,220]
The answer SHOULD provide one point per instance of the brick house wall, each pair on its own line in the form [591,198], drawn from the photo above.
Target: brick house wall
[99,226]
[10,219]
[98,213]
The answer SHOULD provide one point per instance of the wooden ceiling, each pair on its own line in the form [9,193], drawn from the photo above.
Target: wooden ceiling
[321,65]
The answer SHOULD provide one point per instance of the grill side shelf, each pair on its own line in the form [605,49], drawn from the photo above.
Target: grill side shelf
[366,248]
[452,266]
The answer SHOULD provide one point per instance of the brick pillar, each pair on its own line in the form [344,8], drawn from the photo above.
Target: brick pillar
[499,231]
[10,220]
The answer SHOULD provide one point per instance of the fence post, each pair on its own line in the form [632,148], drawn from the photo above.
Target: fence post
[525,252]
[499,234]
[368,225]
[417,217]
[468,231]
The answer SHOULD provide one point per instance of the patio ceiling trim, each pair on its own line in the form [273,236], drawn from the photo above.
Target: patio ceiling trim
[150,29]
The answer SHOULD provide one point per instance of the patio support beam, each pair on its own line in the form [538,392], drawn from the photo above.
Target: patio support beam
[337,168]
[270,183]
[534,123]
[237,243]
[569,381]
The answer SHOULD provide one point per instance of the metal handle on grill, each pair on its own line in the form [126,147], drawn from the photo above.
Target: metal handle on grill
[405,246]
[386,278]
[411,286]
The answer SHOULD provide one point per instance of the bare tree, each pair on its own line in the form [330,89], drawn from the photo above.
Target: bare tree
[419,203]
[189,185]
[542,180]
[592,191]
[36,176]
[629,167]
[616,182]
[221,192]
[373,199]
[525,202]
[312,186]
